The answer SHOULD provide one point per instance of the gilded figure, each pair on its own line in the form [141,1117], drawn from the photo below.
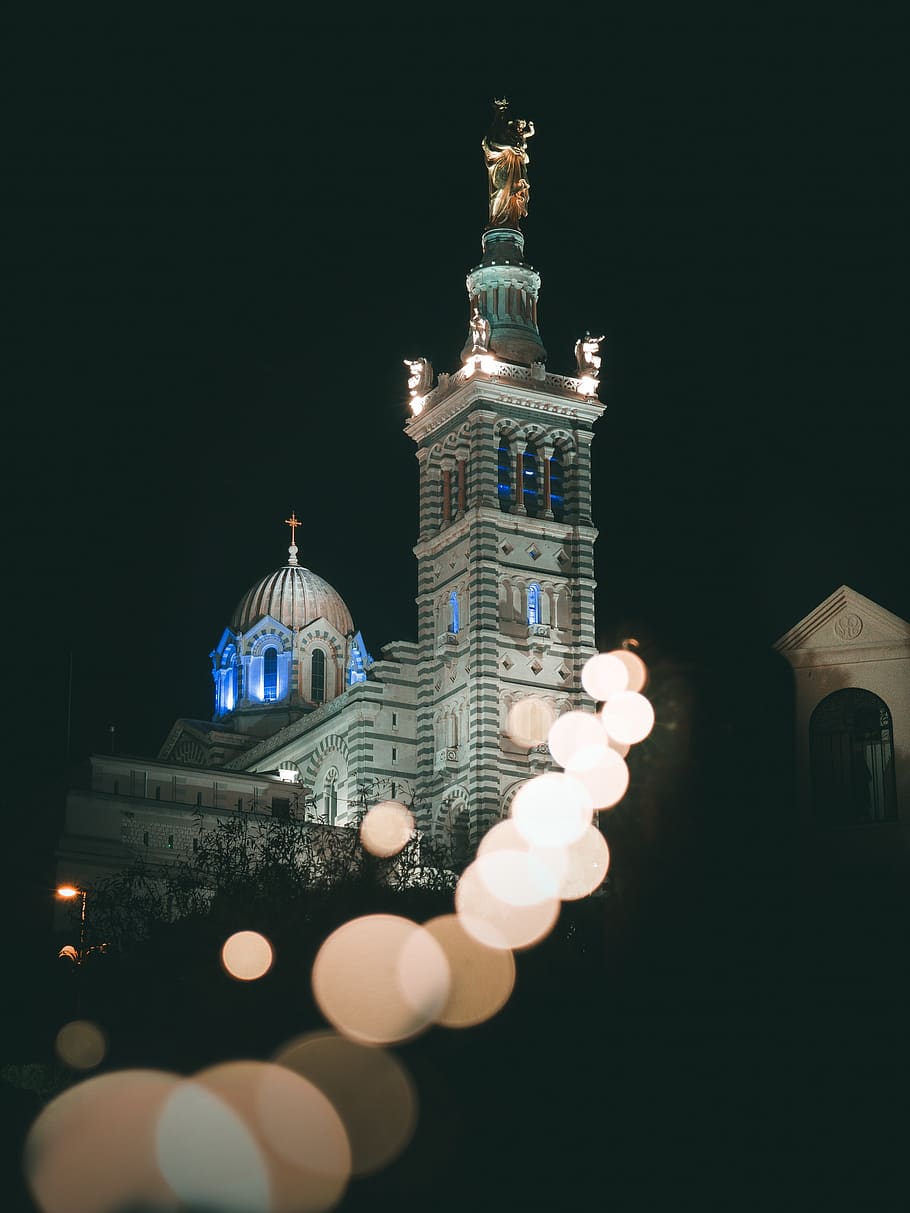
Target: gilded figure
[505,150]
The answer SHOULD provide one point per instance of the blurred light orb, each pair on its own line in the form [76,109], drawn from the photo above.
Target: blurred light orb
[81,1044]
[380,979]
[529,721]
[603,772]
[247,955]
[588,864]
[370,1089]
[92,1147]
[209,1155]
[571,732]
[517,876]
[553,809]
[505,836]
[295,1127]
[627,716]
[635,667]
[497,923]
[387,828]
[603,675]
[482,977]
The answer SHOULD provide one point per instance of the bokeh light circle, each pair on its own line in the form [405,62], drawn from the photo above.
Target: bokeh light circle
[603,772]
[572,731]
[603,675]
[81,1044]
[588,864]
[627,716]
[387,828]
[635,667]
[247,955]
[552,809]
[380,979]
[496,923]
[368,1086]
[482,977]
[529,721]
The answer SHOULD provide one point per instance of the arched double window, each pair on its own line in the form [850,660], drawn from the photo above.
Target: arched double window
[851,750]
[270,675]
[454,613]
[533,604]
[317,676]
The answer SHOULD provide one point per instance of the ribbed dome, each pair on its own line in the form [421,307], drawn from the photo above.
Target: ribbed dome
[295,597]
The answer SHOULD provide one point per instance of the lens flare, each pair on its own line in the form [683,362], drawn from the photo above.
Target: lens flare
[496,923]
[81,1044]
[553,809]
[247,955]
[93,1147]
[386,828]
[482,977]
[369,1088]
[603,675]
[530,720]
[571,732]
[380,979]
[627,716]
[636,668]
[603,772]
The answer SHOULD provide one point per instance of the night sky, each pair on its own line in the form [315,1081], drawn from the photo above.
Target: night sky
[223,237]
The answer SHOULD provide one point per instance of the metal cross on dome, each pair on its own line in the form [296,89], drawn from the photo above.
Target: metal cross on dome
[293,522]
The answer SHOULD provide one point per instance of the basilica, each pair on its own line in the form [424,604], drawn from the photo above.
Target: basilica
[306,722]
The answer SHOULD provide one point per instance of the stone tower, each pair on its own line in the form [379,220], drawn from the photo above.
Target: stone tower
[506,540]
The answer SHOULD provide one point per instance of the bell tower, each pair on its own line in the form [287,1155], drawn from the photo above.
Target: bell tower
[505,549]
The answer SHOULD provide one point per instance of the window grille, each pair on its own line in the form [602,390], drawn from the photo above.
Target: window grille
[317,677]
[851,748]
[270,675]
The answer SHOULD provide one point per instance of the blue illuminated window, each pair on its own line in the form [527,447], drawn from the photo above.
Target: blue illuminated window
[453,612]
[557,480]
[504,477]
[533,603]
[317,677]
[529,481]
[270,675]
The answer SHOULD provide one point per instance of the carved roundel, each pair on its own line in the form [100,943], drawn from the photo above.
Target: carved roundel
[848,627]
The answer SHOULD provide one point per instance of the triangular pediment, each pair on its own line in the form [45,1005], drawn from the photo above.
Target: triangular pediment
[846,620]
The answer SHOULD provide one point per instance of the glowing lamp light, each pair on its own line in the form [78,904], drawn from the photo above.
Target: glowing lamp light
[587,386]
[417,403]
[469,368]
[488,364]
[67,890]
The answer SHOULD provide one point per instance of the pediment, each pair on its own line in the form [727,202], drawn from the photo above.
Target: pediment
[846,620]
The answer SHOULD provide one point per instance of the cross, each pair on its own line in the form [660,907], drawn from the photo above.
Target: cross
[293,522]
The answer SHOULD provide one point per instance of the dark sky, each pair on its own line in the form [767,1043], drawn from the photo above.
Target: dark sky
[222,237]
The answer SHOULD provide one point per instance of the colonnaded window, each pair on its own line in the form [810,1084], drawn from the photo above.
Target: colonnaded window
[270,675]
[529,480]
[533,603]
[851,750]
[317,676]
[454,613]
[504,477]
[557,488]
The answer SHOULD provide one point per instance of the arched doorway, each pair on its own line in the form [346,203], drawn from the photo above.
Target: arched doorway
[851,751]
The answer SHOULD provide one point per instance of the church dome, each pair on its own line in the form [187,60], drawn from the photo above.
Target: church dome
[294,596]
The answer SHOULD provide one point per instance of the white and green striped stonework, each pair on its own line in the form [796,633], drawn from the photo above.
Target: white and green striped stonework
[485,547]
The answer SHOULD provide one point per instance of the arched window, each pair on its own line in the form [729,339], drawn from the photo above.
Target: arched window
[533,603]
[557,490]
[504,477]
[454,622]
[270,675]
[317,676]
[529,480]
[851,748]
[330,795]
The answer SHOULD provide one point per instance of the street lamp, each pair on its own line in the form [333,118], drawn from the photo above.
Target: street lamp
[68,891]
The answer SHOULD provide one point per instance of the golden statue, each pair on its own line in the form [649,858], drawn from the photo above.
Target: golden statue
[505,151]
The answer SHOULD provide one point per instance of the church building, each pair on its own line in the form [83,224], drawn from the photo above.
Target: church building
[306,723]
